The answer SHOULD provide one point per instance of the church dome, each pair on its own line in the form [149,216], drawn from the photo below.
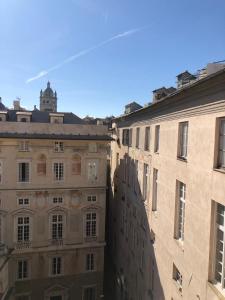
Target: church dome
[48,92]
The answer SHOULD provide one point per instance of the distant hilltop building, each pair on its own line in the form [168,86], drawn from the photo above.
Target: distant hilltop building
[48,99]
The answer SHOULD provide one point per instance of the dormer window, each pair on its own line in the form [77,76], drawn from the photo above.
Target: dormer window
[3,116]
[23,116]
[56,118]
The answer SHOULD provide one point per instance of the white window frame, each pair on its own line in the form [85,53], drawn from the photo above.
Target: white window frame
[219,240]
[90,262]
[183,140]
[157,138]
[92,223]
[56,269]
[57,199]
[1,171]
[147,138]
[155,189]
[145,181]
[22,277]
[24,146]
[23,226]
[29,171]
[92,170]
[23,201]
[137,141]
[59,146]
[180,211]
[92,198]
[57,232]
[221,147]
[58,171]
[1,229]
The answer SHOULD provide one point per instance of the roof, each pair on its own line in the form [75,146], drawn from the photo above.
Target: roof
[44,117]
[133,104]
[2,107]
[185,74]
[51,136]
[176,92]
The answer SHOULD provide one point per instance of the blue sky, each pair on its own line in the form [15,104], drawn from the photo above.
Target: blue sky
[98,54]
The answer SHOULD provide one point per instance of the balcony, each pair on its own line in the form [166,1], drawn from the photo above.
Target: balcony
[56,242]
[23,245]
[89,239]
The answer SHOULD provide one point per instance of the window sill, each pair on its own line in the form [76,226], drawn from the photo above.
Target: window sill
[155,213]
[220,170]
[179,243]
[156,152]
[217,290]
[183,159]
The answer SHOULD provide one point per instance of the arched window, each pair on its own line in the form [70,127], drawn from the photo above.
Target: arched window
[76,165]
[41,165]
[23,120]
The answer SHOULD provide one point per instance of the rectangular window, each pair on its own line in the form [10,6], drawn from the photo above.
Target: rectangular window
[155,190]
[90,262]
[58,146]
[57,227]
[24,172]
[177,277]
[180,211]
[1,230]
[58,171]
[219,245]
[130,137]
[157,136]
[22,269]
[125,140]
[89,293]
[23,201]
[23,229]
[221,162]
[56,265]
[91,224]
[57,200]
[183,140]
[136,180]
[137,137]
[147,138]
[24,146]
[92,170]
[1,171]
[91,198]
[145,181]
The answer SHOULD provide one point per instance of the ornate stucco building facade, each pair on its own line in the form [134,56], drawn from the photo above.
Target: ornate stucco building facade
[52,204]
[167,203]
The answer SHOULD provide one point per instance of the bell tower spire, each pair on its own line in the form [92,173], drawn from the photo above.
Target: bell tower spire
[48,99]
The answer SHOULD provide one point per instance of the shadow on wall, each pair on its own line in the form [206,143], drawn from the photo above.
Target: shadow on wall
[131,271]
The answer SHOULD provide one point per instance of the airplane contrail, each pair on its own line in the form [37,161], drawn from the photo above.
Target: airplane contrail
[83,53]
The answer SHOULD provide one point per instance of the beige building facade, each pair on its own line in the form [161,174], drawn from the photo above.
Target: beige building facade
[167,203]
[52,206]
